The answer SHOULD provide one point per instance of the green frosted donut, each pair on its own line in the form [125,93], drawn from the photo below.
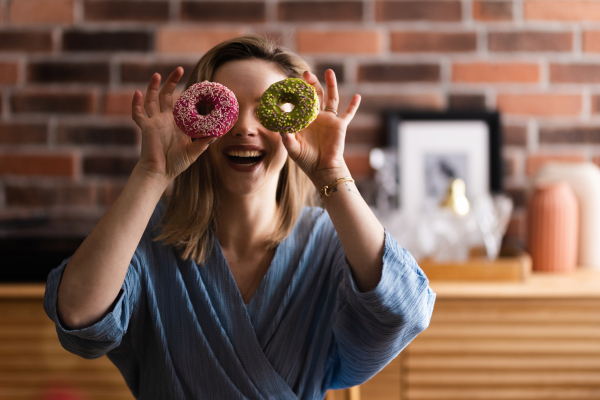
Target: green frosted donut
[294,91]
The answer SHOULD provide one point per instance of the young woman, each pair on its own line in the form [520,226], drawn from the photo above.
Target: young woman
[235,289]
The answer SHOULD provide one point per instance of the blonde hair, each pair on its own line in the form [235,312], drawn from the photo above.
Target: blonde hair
[190,220]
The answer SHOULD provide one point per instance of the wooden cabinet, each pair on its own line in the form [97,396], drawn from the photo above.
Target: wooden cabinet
[32,361]
[506,349]
[527,341]
[534,340]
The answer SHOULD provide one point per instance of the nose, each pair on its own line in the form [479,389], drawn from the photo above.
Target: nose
[247,124]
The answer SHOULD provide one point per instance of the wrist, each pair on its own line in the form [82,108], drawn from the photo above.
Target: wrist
[155,180]
[327,176]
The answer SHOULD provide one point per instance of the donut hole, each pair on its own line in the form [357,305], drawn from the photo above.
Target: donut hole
[286,107]
[204,108]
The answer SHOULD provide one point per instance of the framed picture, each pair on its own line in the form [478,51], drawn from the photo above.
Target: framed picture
[434,148]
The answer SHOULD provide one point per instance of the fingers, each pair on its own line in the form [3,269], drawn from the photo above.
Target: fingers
[333,98]
[312,80]
[137,114]
[351,110]
[291,145]
[151,104]
[198,147]
[166,93]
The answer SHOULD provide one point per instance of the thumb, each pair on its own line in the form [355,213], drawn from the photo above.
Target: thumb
[291,145]
[199,146]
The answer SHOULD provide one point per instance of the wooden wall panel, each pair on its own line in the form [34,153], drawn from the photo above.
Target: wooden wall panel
[506,349]
[386,385]
[32,359]
[474,349]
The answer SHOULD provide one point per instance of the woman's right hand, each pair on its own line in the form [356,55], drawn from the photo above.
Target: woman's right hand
[166,150]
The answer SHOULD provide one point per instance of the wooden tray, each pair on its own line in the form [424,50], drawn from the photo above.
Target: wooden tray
[514,268]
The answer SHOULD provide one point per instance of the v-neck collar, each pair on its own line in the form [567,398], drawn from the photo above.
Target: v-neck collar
[260,290]
[239,328]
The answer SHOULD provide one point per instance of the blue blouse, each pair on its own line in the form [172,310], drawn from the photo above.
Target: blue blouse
[179,330]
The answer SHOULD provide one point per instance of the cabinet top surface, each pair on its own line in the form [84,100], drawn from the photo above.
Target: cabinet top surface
[579,284]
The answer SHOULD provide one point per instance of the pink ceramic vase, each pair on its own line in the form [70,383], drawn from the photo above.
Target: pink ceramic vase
[552,228]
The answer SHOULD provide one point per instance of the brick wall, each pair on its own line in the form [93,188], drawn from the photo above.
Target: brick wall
[69,68]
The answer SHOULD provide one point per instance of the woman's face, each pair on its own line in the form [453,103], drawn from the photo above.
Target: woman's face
[249,157]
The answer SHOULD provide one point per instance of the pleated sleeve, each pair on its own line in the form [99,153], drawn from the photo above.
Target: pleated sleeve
[96,340]
[371,328]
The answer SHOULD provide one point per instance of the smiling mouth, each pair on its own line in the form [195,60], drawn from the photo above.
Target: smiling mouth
[245,158]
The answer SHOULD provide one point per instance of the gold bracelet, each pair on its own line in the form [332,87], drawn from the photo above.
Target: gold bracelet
[327,189]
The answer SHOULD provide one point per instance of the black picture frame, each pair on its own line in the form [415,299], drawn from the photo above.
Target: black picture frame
[490,118]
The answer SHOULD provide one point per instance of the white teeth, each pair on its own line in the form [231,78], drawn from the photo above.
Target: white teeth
[239,153]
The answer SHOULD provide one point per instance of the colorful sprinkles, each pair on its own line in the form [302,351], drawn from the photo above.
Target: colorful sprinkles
[218,122]
[294,91]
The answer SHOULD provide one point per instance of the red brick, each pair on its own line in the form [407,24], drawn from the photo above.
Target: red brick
[181,40]
[273,34]
[492,10]
[514,135]
[530,41]
[37,164]
[77,40]
[55,195]
[41,11]
[141,72]
[140,11]
[359,41]
[561,10]
[536,161]
[22,133]
[591,41]
[68,72]
[98,135]
[9,72]
[508,166]
[309,11]
[418,10]
[109,165]
[25,41]
[223,11]
[466,102]
[433,41]
[547,104]
[33,101]
[399,73]
[381,103]
[374,136]
[596,104]
[574,73]
[570,135]
[118,103]
[488,72]
[320,69]
[358,164]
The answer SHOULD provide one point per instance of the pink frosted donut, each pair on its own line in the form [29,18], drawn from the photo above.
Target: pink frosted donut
[218,122]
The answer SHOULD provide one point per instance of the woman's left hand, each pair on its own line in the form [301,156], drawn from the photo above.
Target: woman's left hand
[319,149]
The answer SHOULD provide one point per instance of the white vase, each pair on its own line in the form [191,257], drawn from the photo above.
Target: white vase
[584,180]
